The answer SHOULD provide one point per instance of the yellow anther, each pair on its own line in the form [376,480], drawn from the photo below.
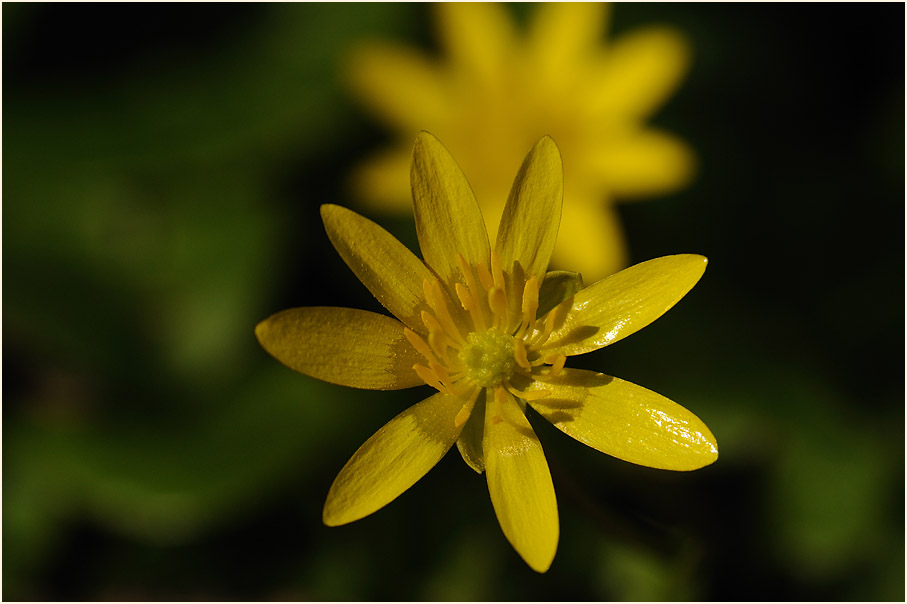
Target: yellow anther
[439,343]
[428,376]
[497,301]
[557,314]
[500,397]
[470,303]
[557,364]
[418,343]
[431,322]
[484,276]
[530,304]
[528,395]
[520,355]
[496,271]
[466,410]
[442,313]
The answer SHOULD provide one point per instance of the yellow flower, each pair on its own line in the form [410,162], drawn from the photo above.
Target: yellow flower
[490,330]
[494,92]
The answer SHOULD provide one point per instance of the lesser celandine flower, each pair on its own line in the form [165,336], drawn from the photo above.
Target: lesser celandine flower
[490,330]
[494,91]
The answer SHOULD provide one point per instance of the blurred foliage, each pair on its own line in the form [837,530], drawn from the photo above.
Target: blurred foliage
[163,167]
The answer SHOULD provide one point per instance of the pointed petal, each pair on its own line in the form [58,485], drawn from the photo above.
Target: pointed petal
[591,239]
[399,84]
[393,459]
[520,485]
[639,163]
[448,218]
[529,224]
[624,303]
[382,180]
[385,266]
[470,441]
[343,346]
[637,74]
[626,421]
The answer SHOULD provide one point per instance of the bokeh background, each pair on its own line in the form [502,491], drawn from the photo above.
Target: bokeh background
[162,171]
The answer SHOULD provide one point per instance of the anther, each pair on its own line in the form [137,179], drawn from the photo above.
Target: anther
[520,355]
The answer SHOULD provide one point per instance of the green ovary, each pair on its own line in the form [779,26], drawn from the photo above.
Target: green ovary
[488,357]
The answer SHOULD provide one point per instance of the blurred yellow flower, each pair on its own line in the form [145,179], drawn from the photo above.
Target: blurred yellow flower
[494,92]
[490,330]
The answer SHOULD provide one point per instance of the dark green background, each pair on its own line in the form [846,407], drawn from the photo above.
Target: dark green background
[162,171]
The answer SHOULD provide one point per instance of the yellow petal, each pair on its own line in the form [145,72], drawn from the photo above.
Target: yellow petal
[529,224]
[343,346]
[393,459]
[624,303]
[591,239]
[520,484]
[557,287]
[448,218]
[639,163]
[382,180]
[637,74]
[479,38]
[384,265]
[398,84]
[561,34]
[470,441]
[626,421]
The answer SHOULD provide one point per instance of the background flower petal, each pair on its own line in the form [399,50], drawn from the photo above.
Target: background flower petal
[637,163]
[531,218]
[479,37]
[520,485]
[381,181]
[393,459]
[624,303]
[345,346]
[399,84]
[625,420]
[448,218]
[637,74]
[595,246]
[385,266]
[563,34]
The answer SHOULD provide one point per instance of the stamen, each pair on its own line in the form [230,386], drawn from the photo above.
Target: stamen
[441,311]
[418,343]
[484,276]
[520,355]
[528,395]
[470,303]
[428,376]
[557,364]
[466,410]
[530,304]
[497,301]
[439,342]
[556,314]
[496,271]
[500,397]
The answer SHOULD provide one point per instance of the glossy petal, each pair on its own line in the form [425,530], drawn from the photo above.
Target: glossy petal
[448,219]
[626,421]
[470,441]
[520,485]
[624,303]
[399,84]
[637,74]
[393,459]
[384,265]
[343,346]
[529,224]
[591,241]
[639,163]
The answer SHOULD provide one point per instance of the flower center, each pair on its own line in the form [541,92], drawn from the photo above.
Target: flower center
[488,357]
